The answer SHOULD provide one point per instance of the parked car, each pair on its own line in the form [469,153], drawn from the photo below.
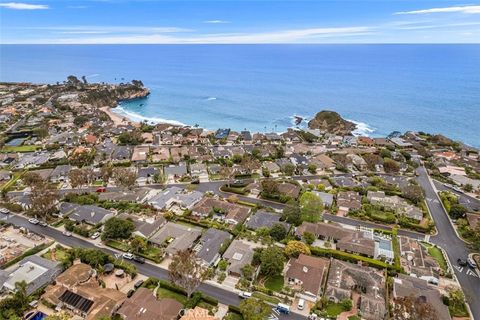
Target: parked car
[4,211]
[101,189]
[138,284]
[195,181]
[283,308]
[43,223]
[67,233]
[33,221]
[130,293]
[128,256]
[471,263]
[139,259]
[95,235]
[462,262]
[301,304]
[245,294]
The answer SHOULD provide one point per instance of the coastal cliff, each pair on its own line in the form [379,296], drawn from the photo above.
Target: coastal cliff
[331,122]
[109,96]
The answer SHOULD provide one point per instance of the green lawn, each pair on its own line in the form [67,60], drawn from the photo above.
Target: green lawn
[165,293]
[20,148]
[436,253]
[265,297]
[354,318]
[60,254]
[334,309]
[274,283]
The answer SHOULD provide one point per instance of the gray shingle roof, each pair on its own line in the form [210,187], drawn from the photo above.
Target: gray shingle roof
[265,219]
[211,242]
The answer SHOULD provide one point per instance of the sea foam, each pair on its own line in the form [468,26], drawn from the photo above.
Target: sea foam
[362,128]
[139,118]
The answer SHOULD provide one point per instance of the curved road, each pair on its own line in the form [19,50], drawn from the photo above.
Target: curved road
[447,239]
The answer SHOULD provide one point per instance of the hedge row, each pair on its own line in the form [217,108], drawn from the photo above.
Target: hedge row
[233,190]
[351,258]
[174,288]
[27,253]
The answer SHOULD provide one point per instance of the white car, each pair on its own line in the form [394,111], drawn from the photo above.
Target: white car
[301,304]
[33,221]
[67,233]
[245,294]
[95,235]
[128,256]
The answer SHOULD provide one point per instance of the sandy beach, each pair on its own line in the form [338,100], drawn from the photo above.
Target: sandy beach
[118,119]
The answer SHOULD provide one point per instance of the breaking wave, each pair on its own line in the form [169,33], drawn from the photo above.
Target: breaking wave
[139,118]
[362,128]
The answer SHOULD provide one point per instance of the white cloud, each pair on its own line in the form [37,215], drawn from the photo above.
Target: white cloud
[23,6]
[216,21]
[458,9]
[311,35]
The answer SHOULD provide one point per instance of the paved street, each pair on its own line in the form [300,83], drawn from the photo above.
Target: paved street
[468,202]
[448,240]
[150,270]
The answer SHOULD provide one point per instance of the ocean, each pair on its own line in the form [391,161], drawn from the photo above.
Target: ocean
[383,88]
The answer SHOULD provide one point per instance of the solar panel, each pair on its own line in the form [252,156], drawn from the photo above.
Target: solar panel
[76,301]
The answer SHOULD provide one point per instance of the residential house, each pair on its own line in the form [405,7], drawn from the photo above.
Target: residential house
[174,172]
[327,198]
[146,175]
[264,219]
[358,242]
[140,154]
[229,212]
[210,244]
[60,173]
[176,236]
[85,213]
[421,291]
[145,305]
[289,189]
[121,153]
[348,201]
[238,255]
[307,274]
[272,167]
[175,196]
[145,226]
[324,162]
[36,271]
[325,231]
[365,285]
[78,290]
[5,175]
[199,170]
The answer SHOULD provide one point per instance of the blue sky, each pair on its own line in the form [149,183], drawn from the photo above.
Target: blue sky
[229,21]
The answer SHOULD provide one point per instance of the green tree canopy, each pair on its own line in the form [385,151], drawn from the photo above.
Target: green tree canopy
[278,232]
[311,207]
[254,309]
[117,228]
[272,261]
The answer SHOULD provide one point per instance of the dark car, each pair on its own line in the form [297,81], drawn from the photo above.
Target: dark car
[138,284]
[139,259]
[195,181]
[462,262]
[130,293]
